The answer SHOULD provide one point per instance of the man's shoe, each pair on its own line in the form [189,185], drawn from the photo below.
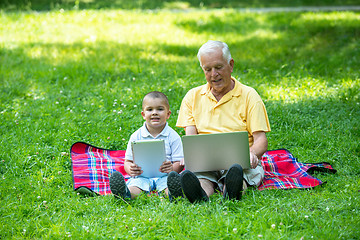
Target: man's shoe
[234,183]
[118,186]
[174,186]
[192,188]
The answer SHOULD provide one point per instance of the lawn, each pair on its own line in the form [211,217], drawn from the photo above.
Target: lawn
[80,75]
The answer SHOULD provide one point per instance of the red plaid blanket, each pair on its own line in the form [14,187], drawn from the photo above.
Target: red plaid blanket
[92,167]
[283,171]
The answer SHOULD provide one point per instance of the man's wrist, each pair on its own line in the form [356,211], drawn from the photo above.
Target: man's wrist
[254,153]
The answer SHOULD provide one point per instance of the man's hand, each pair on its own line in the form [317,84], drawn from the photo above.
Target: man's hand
[166,167]
[134,170]
[254,160]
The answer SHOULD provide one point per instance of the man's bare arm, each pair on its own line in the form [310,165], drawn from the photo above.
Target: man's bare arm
[258,148]
[191,130]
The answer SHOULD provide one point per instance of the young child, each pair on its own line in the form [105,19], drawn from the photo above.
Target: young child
[155,111]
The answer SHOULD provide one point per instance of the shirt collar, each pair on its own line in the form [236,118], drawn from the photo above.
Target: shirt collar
[145,132]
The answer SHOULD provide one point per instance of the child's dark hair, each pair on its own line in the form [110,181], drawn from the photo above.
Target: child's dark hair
[156,94]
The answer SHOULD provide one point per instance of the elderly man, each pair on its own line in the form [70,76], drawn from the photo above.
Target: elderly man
[221,105]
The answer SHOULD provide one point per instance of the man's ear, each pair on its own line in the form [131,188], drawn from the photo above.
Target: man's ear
[231,63]
[143,114]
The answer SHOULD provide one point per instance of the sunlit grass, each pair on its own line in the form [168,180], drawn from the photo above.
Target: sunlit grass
[332,18]
[310,88]
[70,27]
[68,76]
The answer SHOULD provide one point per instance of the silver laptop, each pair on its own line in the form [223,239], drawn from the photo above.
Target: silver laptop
[217,151]
[149,155]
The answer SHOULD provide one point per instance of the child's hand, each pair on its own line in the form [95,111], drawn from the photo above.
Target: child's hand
[166,167]
[134,170]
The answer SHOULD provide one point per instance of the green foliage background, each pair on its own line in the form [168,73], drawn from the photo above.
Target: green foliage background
[160,4]
[79,75]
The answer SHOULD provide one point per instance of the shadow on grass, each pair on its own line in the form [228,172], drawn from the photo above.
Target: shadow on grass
[105,74]
[118,68]
[313,129]
[277,50]
[272,47]
[294,46]
[324,44]
[318,130]
[99,66]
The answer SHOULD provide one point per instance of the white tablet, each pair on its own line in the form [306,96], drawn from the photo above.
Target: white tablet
[149,155]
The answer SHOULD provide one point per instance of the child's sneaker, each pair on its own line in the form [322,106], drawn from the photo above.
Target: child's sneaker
[192,188]
[174,186]
[234,183]
[118,186]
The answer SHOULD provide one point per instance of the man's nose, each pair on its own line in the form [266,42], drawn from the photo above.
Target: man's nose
[214,72]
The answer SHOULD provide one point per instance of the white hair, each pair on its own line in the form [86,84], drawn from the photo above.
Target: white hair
[211,46]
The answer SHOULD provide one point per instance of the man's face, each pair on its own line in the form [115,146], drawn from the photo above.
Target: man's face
[217,72]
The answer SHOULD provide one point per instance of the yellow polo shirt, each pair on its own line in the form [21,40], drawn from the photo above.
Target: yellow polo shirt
[241,109]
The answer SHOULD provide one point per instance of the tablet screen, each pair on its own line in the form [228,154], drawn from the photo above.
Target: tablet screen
[149,155]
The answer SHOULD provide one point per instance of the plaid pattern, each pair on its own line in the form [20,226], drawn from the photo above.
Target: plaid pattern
[92,167]
[283,171]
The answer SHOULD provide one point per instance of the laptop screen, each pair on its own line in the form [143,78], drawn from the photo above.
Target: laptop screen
[217,151]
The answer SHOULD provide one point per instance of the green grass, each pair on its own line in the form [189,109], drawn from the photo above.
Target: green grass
[70,76]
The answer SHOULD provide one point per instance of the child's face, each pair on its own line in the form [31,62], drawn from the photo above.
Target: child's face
[155,112]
